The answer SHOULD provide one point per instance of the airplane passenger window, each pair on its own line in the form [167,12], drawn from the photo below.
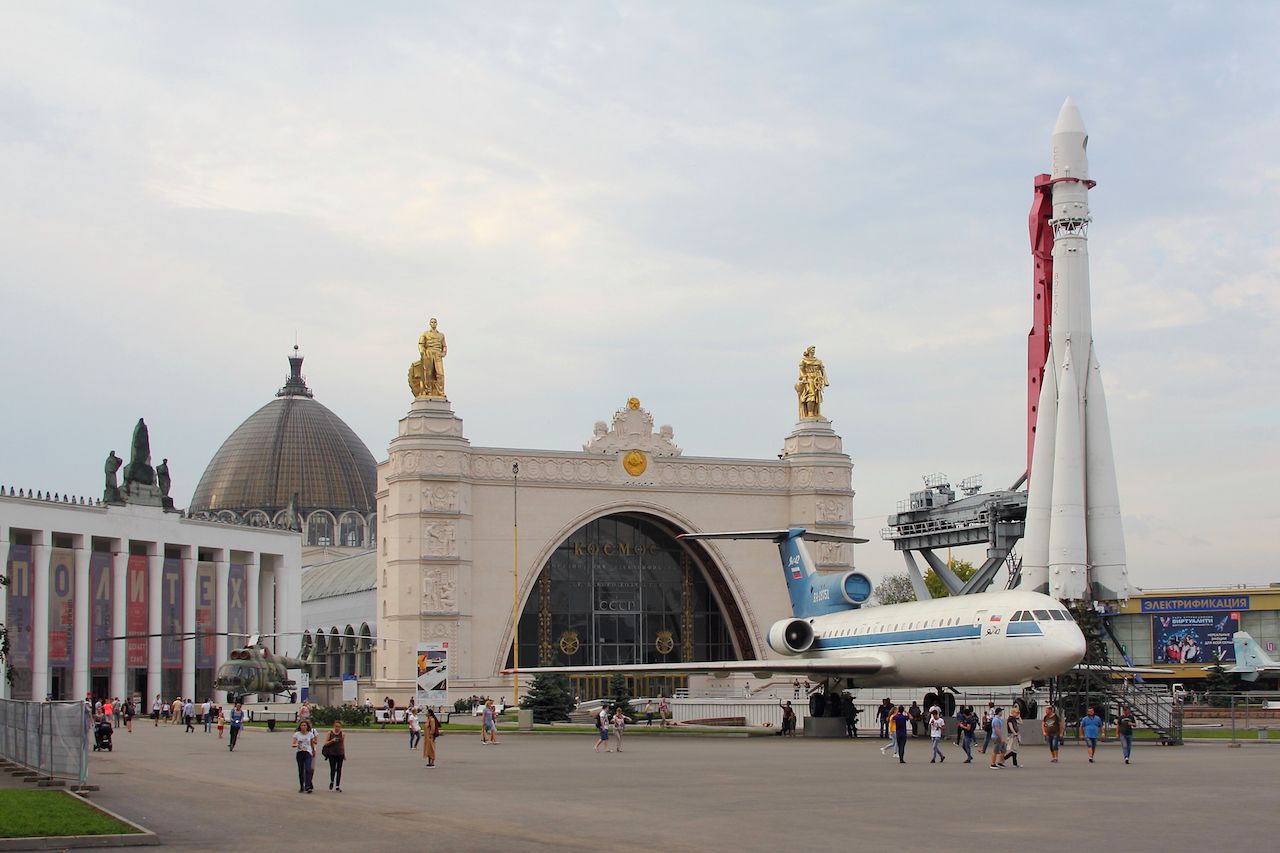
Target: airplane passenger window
[1042,615]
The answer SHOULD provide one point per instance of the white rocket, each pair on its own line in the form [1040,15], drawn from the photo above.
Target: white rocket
[1073,548]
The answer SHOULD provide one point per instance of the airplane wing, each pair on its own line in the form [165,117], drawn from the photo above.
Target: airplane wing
[860,665]
[775,535]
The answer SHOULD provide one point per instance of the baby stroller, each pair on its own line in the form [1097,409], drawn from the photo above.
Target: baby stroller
[102,735]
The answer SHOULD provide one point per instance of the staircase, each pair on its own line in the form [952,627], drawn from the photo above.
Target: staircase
[1153,707]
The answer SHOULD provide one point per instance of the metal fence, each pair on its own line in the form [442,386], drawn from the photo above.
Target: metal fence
[51,738]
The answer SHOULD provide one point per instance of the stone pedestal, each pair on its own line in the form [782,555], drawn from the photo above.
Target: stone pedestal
[821,489]
[141,494]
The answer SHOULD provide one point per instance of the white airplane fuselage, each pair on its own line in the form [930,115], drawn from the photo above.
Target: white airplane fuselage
[964,640]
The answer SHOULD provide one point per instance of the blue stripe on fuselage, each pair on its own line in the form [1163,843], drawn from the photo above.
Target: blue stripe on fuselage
[893,638]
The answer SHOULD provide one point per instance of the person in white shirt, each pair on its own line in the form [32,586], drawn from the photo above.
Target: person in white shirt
[206,715]
[936,727]
[304,745]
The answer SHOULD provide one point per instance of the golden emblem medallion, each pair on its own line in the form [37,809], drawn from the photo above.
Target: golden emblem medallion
[664,643]
[634,462]
[633,403]
[569,643]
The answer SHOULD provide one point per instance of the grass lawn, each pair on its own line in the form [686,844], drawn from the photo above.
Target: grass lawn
[26,814]
[1242,734]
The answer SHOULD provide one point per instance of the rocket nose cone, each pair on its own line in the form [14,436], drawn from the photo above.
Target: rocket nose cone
[1069,120]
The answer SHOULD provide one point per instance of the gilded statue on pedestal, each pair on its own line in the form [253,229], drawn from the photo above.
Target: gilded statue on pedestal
[426,375]
[813,378]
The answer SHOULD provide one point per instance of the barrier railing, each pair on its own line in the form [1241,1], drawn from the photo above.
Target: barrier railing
[49,738]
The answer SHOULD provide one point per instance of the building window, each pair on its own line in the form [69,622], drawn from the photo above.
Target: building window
[351,530]
[320,528]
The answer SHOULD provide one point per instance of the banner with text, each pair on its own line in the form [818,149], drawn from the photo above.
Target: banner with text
[62,592]
[237,605]
[135,613]
[1194,638]
[433,673]
[100,615]
[205,581]
[19,608]
[171,614]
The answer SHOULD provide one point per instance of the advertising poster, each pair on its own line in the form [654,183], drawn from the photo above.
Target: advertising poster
[1194,638]
[205,581]
[433,674]
[61,605]
[18,617]
[171,614]
[237,605]
[135,611]
[100,614]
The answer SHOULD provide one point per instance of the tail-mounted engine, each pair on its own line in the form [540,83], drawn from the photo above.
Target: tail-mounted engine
[791,637]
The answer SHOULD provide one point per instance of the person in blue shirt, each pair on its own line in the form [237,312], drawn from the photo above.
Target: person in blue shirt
[997,739]
[1091,729]
[900,723]
[237,720]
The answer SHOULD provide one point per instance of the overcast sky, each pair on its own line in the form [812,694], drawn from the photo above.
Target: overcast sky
[662,200]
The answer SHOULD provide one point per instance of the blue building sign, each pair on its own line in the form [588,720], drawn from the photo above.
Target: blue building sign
[1195,603]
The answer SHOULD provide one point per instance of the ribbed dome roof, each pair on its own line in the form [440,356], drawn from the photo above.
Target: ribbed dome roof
[292,444]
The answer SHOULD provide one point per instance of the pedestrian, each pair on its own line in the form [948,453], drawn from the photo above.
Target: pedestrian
[128,711]
[916,716]
[883,713]
[664,710]
[987,714]
[648,712]
[304,745]
[937,726]
[968,722]
[155,711]
[997,738]
[415,731]
[188,712]
[851,713]
[489,720]
[959,718]
[219,719]
[795,688]
[304,711]
[1012,736]
[335,751]
[602,730]
[206,715]
[107,711]
[900,722]
[788,720]
[1091,727]
[1124,731]
[237,720]
[175,710]
[619,721]
[429,742]
[1051,728]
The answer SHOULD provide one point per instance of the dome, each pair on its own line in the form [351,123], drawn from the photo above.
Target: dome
[293,444]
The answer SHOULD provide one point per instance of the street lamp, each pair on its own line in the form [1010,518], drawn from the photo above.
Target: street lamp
[515,583]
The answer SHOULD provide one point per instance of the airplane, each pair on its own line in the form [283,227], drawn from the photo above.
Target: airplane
[1251,660]
[986,639]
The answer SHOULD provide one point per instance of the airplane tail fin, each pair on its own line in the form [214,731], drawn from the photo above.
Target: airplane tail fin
[1250,658]
[810,595]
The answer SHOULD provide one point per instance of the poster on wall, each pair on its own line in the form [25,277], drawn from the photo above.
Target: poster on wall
[135,612]
[171,614]
[18,617]
[433,674]
[100,614]
[61,605]
[1194,638]
[205,581]
[237,605]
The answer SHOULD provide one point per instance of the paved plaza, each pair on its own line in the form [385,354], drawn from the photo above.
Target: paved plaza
[680,792]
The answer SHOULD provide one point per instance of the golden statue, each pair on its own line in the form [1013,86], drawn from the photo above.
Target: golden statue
[426,375]
[813,378]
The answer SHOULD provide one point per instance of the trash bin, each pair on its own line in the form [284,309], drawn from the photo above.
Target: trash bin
[271,724]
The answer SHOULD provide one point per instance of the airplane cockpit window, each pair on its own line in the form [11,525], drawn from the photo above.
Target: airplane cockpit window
[1067,613]
[1017,617]
[1058,615]
[1042,615]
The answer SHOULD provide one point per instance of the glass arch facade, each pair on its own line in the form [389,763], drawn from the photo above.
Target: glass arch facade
[622,589]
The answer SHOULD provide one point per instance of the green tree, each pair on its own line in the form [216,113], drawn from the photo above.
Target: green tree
[962,569]
[550,697]
[620,693]
[1218,684]
[894,589]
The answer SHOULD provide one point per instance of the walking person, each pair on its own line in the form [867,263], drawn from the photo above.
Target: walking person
[997,738]
[206,715]
[889,730]
[335,751]
[108,711]
[429,741]
[237,720]
[788,720]
[602,730]
[900,722]
[916,716]
[490,722]
[1124,731]
[619,721]
[188,712]
[304,746]
[1012,736]
[883,713]
[968,722]
[987,714]
[415,730]
[937,726]
[664,710]
[128,715]
[155,711]
[648,712]
[1051,728]
[219,719]
[175,710]
[1091,727]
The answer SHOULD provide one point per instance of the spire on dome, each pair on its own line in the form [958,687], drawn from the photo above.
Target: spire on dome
[295,384]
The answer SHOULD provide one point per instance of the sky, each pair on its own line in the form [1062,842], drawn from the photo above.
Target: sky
[665,200]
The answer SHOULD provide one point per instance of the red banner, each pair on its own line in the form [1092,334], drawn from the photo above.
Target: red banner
[135,616]
[205,583]
[61,605]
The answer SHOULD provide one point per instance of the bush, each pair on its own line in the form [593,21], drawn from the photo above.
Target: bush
[462,706]
[550,697]
[325,715]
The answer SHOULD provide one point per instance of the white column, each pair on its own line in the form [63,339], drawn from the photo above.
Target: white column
[155,578]
[252,572]
[40,620]
[189,639]
[267,599]
[120,646]
[289,602]
[222,576]
[84,605]
[4,598]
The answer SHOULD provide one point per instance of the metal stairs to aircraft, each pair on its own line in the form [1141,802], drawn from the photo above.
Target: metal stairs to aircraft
[1153,707]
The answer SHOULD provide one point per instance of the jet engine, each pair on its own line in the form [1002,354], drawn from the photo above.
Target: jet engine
[855,588]
[791,637]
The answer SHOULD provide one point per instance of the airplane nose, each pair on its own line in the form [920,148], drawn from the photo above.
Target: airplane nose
[1072,645]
